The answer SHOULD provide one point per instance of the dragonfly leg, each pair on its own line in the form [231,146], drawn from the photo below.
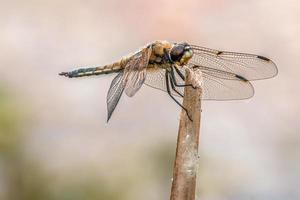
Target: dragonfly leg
[170,94]
[174,88]
[181,75]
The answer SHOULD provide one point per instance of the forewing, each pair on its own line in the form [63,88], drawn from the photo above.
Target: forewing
[135,71]
[114,94]
[249,66]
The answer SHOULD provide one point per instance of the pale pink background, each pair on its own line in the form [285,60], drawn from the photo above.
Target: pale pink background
[249,149]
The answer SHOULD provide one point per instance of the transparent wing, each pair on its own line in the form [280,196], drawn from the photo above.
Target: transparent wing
[249,66]
[216,85]
[114,94]
[130,79]
[221,85]
[157,80]
[135,71]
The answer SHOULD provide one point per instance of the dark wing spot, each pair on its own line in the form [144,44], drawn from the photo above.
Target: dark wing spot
[263,58]
[241,78]
[219,53]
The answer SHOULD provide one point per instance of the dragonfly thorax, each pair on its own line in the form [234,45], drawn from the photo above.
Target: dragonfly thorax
[181,53]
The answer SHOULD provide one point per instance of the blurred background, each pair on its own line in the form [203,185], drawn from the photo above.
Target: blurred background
[55,143]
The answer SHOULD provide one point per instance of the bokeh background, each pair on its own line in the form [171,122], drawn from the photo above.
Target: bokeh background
[55,143]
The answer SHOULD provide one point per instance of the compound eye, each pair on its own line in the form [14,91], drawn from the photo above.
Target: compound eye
[177,52]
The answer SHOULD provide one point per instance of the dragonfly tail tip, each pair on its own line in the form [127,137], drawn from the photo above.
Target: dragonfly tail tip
[66,74]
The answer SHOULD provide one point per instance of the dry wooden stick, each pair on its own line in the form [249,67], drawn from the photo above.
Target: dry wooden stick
[184,172]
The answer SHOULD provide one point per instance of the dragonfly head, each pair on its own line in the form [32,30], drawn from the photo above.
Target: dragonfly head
[181,53]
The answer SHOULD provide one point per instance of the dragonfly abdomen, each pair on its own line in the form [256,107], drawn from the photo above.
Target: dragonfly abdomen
[107,69]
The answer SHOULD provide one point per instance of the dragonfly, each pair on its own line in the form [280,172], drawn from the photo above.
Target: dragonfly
[161,65]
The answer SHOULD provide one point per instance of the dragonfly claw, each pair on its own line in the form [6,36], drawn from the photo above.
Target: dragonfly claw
[190,118]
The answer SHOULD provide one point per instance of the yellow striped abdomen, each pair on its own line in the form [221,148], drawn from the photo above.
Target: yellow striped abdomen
[107,69]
